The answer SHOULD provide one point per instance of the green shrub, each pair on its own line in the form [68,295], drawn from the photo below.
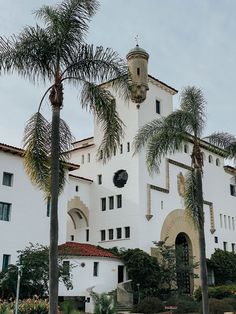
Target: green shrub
[103,303]
[29,306]
[219,292]
[219,306]
[149,305]
[67,306]
[231,301]
[185,304]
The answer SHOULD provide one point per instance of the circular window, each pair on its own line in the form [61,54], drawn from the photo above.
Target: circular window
[120,178]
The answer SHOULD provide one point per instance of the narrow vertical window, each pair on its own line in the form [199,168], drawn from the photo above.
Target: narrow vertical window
[76,188]
[210,159]
[101,154]
[138,71]
[162,204]
[158,106]
[82,159]
[225,246]
[103,235]
[127,232]
[229,222]
[216,239]
[119,201]
[7,179]
[121,148]
[72,237]
[5,261]
[87,235]
[99,179]
[233,225]
[5,211]
[103,203]
[110,234]
[114,152]
[221,221]
[111,202]
[95,269]
[225,222]
[118,233]
[88,157]
[232,190]
[128,147]
[233,247]
[66,267]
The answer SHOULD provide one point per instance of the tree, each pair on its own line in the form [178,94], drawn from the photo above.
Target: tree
[224,266]
[166,136]
[56,52]
[34,264]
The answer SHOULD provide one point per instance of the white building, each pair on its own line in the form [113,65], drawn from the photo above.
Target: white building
[119,203]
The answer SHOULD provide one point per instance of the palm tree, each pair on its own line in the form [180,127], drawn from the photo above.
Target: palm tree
[166,136]
[57,53]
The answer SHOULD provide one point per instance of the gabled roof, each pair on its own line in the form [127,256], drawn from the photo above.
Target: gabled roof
[83,249]
[80,178]
[20,152]
[172,90]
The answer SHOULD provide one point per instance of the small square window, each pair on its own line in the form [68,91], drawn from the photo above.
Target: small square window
[7,179]
[103,203]
[110,234]
[5,261]
[158,106]
[118,233]
[95,269]
[127,232]
[99,179]
[111,202]
[232,190]
[103,235]
[119,201]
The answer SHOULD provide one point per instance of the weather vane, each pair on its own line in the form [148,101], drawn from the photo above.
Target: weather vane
[136,39]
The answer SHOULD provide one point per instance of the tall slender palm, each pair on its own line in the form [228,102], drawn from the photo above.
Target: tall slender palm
[56,52]
[166,136]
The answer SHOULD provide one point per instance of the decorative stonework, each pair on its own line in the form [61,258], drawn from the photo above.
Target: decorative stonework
[181,184]
[76,204]
[176,222]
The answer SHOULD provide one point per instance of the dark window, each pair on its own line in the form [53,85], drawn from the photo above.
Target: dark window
[88,157]
[66,267]
[103,235]
[7,178]
[232,190]
[5,261]
[72,237]
[210,159]
[121,148]
[216,239]
[128,147]
[95,269]
[114,152]
[111,202]
[225,246]
[118,233]
[233,247]
[186,148]
[99,179]
[127,232]
[48,206]
[217,162]
[82,159]
[103,200]
[5,211]
[158,106]
[138,71]
[87,235]
[110,234]
[76,188]
[119,201]
[101,154]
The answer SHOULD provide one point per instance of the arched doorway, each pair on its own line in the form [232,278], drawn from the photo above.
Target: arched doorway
[183,253]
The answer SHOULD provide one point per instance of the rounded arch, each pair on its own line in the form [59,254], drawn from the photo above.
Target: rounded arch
[176,222]
[210,159]
[217,162]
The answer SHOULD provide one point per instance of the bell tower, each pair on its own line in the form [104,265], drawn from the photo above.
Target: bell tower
[137,59]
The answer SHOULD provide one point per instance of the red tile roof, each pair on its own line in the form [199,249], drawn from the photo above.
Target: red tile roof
[83,249]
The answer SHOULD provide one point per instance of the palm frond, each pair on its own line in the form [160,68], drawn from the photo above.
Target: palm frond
[36,155]
[97,65]
[193,101]
[103,105]
[225,141]
[193,204]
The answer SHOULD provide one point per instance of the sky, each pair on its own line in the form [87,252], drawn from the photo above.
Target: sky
[190,42]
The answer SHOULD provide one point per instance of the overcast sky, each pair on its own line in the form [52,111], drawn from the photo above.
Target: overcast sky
[190,42]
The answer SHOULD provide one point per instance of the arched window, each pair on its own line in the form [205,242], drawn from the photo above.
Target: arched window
[210,159]
[217,162]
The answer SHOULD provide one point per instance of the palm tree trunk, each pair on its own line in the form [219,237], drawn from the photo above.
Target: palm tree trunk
[53,249]
[202,244]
